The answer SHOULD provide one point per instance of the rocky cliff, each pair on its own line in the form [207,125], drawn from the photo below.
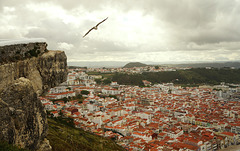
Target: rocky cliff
[27,70]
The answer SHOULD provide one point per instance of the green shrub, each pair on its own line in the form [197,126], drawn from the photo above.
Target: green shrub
[4,146]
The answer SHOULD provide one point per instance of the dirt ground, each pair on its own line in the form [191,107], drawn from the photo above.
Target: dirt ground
[232,148]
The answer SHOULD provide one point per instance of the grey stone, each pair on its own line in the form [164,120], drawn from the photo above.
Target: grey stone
[22,80]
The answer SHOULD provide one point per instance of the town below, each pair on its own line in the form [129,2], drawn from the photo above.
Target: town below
[159,116]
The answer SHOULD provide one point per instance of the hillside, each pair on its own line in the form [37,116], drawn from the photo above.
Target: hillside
[66,138]
[214,65]
[4,146]
[192,76]
[134,64]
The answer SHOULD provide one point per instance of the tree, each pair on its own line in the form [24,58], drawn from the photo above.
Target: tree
[98,81]
[169,91]
[65,99]
[60,113]
[85,92]
[79,96]
[107,81]
[113,96]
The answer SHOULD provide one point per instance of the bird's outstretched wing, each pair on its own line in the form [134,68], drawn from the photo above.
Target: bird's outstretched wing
[95,27]
[101,22]
[88,32]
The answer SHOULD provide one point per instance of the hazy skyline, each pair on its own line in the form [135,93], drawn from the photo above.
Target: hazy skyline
[136,30]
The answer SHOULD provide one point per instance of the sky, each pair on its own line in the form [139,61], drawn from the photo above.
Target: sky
[136,30]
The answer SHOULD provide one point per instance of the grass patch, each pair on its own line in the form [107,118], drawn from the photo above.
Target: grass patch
[66,138]
[4,146]
[104,75]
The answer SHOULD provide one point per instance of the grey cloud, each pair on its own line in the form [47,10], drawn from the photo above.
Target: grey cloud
[200,21]
[54,29]
[108,46]
[199,25]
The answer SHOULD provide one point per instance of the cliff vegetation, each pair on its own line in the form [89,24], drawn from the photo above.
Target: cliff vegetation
[63,137]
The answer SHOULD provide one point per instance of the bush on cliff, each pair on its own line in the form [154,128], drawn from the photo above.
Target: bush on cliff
[66,138]
[4,146]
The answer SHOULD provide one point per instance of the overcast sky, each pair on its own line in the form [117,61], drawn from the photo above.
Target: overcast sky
[136,30]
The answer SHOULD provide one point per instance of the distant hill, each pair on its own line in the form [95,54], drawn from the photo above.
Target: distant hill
[203,65]
[134,64]
[194,76]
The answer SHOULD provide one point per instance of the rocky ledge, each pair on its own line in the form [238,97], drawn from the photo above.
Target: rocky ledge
[22,80]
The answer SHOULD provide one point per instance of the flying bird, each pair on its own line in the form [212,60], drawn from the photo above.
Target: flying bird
[95,27]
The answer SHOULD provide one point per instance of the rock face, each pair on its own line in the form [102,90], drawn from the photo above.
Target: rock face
[12,53]
[22,116]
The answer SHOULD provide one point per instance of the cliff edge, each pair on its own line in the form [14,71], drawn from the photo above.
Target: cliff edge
[27,70]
